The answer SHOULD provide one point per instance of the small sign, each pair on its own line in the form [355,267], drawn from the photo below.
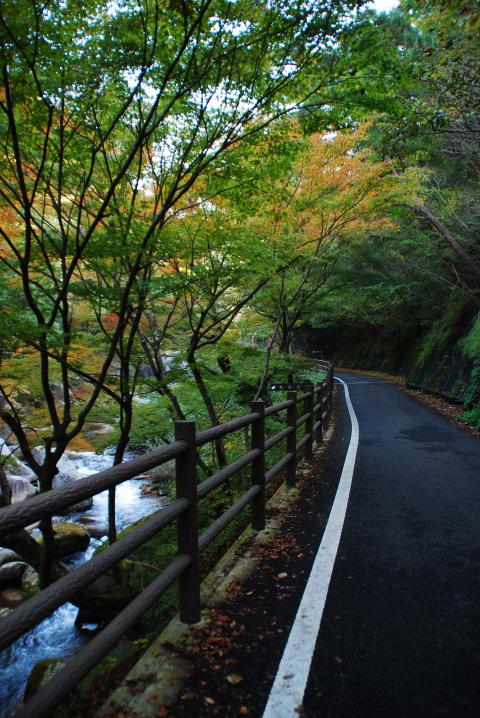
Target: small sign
[286,387]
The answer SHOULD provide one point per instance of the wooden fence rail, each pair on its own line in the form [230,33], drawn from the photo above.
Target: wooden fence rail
[312,408]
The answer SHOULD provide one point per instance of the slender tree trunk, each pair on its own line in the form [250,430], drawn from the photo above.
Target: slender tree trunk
[166,391]
[207,400]
[266,370]
[49,470]
[126,416]
[6,492]
[448,236]
[284,345]
[46,563]
[157,367]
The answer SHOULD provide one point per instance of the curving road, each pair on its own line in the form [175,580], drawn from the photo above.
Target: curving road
[367,603]
[400,633]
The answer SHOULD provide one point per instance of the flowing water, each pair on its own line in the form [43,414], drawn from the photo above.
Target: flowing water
[56,636]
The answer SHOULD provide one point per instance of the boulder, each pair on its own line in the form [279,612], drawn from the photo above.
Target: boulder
[70,538]
[104,598]
[76,508]
[22,470]
[42,672]
[65,477]
[39,454]
[95,525]
[58,393]
[30,582]
[24,398]
[99,436]
[11,597]
[154,490]
[92,428]
[163,475]
[5,432]
[7,556]
[21,488]
[12,572]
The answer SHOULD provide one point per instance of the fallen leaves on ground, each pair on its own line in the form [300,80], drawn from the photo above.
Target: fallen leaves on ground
[234,678]
[235,652]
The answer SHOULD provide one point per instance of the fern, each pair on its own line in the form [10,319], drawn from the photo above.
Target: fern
[471,343]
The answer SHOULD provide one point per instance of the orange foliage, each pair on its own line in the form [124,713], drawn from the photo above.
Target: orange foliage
[337,191]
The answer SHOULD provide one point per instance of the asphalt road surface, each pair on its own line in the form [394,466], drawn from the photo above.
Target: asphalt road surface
[396,574]
[400,634]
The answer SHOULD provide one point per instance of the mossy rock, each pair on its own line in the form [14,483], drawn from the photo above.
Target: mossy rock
[105,598]
[69,538]
[164,475]
[11,573]
[41,674]
[30,582]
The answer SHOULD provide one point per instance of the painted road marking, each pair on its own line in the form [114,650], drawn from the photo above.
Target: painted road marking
[354,383]
[286,695]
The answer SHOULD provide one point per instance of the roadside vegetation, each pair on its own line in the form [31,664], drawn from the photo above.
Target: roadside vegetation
[407,300]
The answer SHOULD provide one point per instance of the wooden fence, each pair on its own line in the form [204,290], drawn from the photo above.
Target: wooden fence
[311,408]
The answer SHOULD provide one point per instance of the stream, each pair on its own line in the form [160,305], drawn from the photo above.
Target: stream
[57,636]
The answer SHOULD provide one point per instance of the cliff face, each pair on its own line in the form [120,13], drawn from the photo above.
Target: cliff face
[443,358]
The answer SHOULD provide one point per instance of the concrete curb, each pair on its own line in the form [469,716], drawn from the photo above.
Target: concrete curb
[157,678]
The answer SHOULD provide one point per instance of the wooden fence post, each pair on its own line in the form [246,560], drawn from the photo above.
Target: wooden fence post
[330,393]
[308,408]
[258,465]
[318,414]
[187,525]
[292,438]
[325,394]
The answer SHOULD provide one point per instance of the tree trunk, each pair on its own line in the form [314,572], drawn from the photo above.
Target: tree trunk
[207,400]
[49,470]
[6,492]
[27,548]
[157,367]
[266,370]
[448,236]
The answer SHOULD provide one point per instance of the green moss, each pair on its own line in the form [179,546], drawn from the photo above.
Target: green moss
[472,416]
[314,375]
[426,347]
[472,398]
[471,343]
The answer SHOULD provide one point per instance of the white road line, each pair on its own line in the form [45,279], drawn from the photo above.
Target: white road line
[290,682]
[354,383]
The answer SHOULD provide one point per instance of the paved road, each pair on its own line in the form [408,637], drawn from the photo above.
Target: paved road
[400,635]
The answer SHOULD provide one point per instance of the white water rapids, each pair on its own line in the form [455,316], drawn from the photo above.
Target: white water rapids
[56,636]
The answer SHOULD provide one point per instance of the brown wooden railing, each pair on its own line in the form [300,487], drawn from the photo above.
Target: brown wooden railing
[312,408]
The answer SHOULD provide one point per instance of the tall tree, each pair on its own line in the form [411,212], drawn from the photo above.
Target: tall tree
[108,116]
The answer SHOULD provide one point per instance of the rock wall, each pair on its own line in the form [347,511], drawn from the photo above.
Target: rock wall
[431,358]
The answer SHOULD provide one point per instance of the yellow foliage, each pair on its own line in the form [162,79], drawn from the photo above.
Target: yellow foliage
[337,192]
[79,443]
